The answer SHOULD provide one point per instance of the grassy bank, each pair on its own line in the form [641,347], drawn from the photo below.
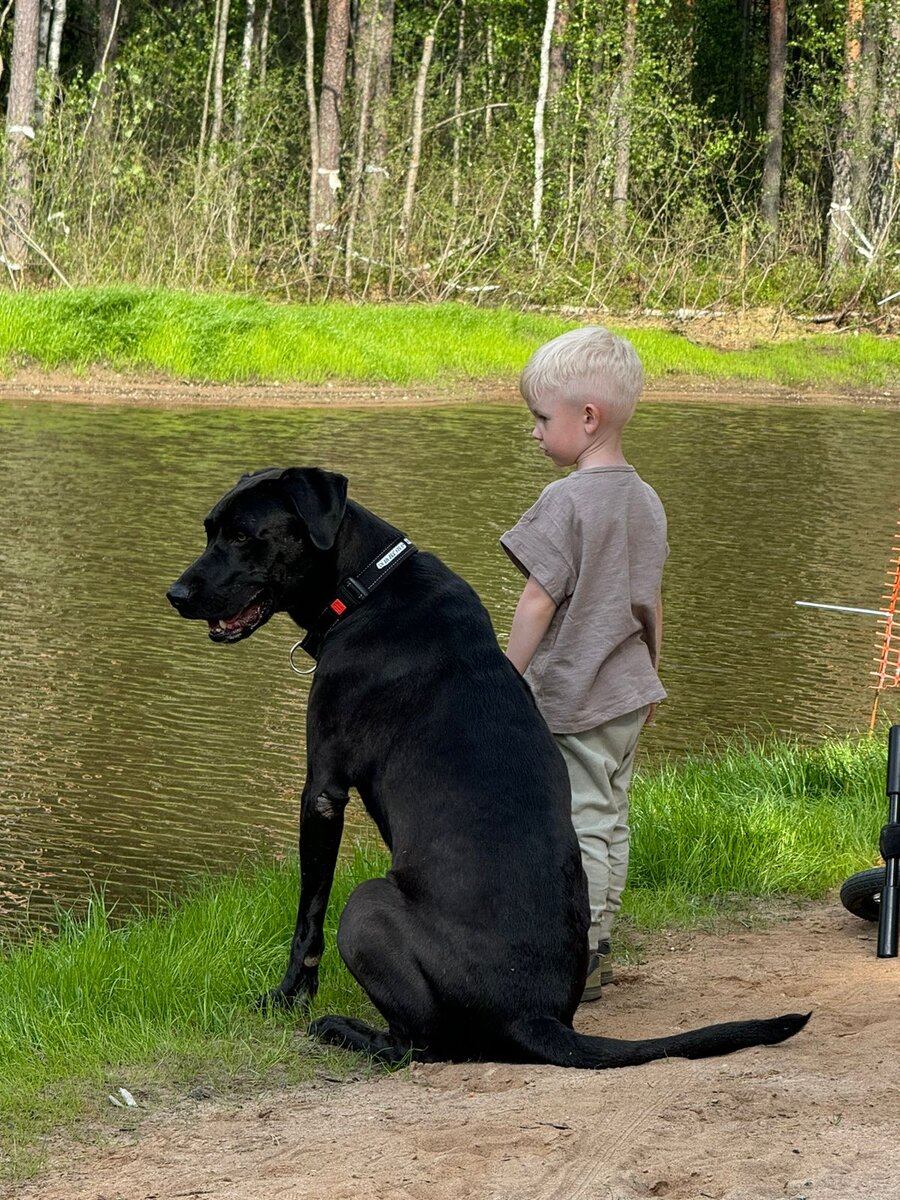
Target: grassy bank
[165,1000]
[231,339]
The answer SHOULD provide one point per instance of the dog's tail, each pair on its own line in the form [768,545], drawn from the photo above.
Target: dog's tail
[546,1040]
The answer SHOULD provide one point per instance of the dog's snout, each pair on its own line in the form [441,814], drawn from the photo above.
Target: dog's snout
[179,594]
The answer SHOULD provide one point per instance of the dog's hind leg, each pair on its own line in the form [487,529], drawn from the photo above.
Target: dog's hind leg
[351,1034]
[377,938]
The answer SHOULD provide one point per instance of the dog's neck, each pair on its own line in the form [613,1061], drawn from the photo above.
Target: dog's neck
[361,537]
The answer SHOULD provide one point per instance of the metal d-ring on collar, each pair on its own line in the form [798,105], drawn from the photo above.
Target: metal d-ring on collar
[351,592]
[294,667]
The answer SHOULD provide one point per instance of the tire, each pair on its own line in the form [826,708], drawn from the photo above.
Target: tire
[861,894]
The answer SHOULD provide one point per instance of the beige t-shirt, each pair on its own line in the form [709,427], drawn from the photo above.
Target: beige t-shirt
[596,542]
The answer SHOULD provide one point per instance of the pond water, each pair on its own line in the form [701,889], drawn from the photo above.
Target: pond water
[134,753]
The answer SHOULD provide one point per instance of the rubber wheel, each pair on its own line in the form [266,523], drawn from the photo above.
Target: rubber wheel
[861,894]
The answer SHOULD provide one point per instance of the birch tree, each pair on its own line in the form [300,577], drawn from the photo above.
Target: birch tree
[54,45]
[16,217]
[537,197]
[220,42]
[243,89]
[489,78]
[415,153]
[263,41]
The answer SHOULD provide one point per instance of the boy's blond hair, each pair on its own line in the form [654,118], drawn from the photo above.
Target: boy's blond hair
[587,364]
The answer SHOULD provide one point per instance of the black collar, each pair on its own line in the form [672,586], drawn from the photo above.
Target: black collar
[353,590]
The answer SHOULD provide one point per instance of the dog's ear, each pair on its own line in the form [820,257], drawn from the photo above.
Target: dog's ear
[319,499]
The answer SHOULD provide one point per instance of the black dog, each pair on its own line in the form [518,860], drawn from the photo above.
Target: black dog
[474,946]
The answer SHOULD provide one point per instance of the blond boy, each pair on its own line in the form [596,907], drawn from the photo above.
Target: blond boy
[587,629]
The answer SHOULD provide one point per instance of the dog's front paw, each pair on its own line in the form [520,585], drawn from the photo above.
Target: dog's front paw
[277,999]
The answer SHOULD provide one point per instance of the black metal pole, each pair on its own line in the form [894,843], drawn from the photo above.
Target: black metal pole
[890,893]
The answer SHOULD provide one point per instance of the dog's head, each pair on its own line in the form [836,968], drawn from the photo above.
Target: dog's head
[264,538]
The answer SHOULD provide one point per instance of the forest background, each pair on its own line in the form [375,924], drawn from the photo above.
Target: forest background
[633,154]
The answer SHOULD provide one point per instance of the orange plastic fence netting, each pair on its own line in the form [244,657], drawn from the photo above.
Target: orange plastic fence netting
[887,672]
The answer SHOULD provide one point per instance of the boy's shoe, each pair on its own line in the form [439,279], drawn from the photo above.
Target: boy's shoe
[599,972]
[606,970]
[593,985]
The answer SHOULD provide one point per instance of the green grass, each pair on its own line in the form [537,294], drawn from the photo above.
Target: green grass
[232,339]
[165,1001]
[766,820]
[823,361]
[159,1002]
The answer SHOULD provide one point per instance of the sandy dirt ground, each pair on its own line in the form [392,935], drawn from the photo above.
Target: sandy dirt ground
[98,386]
[817,1118]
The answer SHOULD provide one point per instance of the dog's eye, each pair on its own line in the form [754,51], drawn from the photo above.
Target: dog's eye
[240,536]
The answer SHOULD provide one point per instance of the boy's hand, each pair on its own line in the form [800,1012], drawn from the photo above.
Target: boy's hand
[651,713]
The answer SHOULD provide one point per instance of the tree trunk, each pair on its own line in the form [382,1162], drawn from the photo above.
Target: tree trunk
[770,199]
[415,154]
[367,27]
[108,30]
[44,31]
[334,73]
[457,105]
[622,124]
[746,64]
[56,32]
[43,40]
[264,41]
[218,85]
[886,137]
[106,52]
[244,74]
[16,224]
[210,70]
[489,79]
[841,218]
[376,171]
[312,113]
[556,73]
[537,198]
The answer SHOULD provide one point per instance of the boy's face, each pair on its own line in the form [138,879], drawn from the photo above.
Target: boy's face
[563,428]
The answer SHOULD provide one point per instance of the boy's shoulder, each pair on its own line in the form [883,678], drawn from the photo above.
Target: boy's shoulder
[555,498]
[593,483]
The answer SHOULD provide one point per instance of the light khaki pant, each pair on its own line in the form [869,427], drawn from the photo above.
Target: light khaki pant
[600,762]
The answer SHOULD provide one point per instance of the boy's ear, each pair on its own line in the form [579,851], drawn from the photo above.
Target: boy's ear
[593,415]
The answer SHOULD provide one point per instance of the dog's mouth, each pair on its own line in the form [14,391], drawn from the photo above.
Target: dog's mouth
[242,624]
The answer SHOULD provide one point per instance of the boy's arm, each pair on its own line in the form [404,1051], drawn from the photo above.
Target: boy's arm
[534,612]
[651,712]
